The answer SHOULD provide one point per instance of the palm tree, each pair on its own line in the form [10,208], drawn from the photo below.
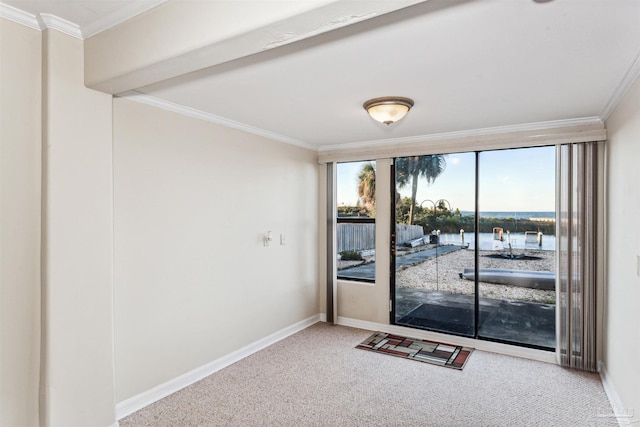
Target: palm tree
[367,186]
[410,169]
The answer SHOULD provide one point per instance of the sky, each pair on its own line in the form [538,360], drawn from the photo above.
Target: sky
[509,180]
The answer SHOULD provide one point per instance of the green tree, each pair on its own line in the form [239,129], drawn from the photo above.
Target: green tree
[367,186]
[410,169]
[402,210]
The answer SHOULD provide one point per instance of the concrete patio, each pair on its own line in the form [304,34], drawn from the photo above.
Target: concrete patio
[522,323]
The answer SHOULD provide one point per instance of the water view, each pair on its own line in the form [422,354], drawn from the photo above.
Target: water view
[505,291]
[487,241]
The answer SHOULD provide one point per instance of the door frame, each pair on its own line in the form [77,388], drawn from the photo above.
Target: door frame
[392,253]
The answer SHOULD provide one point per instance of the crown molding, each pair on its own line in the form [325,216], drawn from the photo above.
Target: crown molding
[543,128]
[40,22]
[497,138]
[52,22]
[44,21]
[201,115]
[118,16]
[20,17]
[627,80]
[473,133]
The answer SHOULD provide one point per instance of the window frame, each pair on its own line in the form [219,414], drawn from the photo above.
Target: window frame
[353,220]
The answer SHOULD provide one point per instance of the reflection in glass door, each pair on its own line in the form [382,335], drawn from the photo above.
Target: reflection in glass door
[489,212]
[434,225]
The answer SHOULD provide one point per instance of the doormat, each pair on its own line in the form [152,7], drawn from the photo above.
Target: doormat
[433,352]
[437,317]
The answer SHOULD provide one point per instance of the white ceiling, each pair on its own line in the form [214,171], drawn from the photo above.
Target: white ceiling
[78,12]
[467,64]
[91,16]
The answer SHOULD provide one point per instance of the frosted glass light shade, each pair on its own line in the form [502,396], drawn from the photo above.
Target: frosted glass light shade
[388,109]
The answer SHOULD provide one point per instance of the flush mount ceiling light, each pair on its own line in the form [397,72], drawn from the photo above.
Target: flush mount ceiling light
[388,109]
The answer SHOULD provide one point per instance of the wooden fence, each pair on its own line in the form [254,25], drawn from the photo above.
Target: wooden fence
[359,237]
[405,232]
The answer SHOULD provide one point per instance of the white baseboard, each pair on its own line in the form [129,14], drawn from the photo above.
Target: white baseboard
[148,397]
[623,416]
[493,347]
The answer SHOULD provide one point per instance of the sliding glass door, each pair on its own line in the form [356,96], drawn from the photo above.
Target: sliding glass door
[474,245]
[434,226]
[516,262]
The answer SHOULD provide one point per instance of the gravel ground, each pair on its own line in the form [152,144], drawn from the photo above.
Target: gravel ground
[446,277]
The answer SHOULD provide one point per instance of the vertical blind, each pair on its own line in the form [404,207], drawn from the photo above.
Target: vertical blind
[577,207]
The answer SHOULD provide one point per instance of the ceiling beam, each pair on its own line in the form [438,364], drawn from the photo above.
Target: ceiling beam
[179,37]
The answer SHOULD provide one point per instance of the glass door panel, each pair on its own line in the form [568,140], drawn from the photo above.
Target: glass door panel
[434,240]
[516,258]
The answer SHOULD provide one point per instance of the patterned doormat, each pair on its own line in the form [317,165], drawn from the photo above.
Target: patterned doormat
[433,352]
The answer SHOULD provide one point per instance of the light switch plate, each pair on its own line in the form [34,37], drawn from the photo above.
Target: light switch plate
[282,240]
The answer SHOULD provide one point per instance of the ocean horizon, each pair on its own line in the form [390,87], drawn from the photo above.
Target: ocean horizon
[513,214]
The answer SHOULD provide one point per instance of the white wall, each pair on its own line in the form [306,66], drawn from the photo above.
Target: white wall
[20,176]
[621,336]
[77,360]
[193,280]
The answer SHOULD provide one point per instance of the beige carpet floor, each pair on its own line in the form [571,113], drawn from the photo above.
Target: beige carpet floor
[317,378]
